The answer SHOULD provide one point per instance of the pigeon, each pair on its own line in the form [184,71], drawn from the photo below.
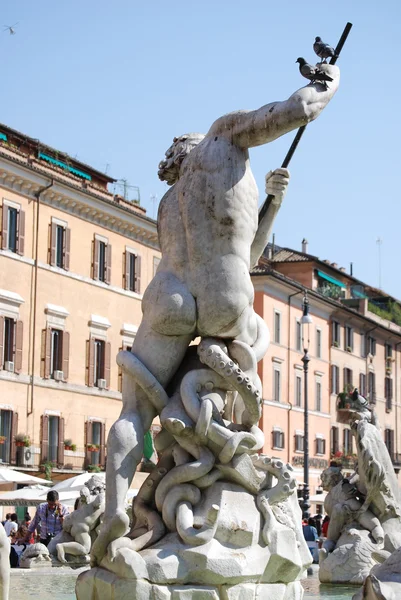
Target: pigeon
[323,50]
[312,73]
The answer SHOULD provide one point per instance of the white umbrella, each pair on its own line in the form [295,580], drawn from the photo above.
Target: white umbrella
[11,476]
[76,483]
[318,498]
[27,496]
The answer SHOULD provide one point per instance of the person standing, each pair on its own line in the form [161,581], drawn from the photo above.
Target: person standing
[11,526]
[49,517]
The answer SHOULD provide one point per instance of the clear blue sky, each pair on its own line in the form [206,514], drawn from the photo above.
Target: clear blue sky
[113,82]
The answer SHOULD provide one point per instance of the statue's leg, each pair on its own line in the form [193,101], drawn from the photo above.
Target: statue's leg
[372,524]
[74,548]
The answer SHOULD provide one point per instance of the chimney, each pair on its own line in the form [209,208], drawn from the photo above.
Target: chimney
[334,265]
[351,269]
[342,269]
[305,246]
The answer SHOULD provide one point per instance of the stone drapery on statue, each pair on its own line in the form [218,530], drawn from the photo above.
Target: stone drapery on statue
[364,509]
[208,517]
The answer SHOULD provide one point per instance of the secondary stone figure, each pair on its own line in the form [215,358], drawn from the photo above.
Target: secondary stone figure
[209,237]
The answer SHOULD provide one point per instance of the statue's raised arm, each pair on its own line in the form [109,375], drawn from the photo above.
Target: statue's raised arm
[254,128]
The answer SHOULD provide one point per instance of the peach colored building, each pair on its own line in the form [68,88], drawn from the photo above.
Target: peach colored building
[74,262]
[354,341]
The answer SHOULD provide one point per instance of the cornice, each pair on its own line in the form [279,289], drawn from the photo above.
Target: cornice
[82,203]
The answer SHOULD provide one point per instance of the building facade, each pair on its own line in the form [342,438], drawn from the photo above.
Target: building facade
[74,262]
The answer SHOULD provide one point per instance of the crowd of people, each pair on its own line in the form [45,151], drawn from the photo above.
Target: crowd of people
[47,522]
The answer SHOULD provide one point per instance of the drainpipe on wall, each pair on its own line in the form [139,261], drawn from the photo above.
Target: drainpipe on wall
[289,372]
[37,195]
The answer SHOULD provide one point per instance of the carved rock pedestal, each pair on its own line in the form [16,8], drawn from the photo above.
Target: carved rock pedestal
[384,581]
[236,564]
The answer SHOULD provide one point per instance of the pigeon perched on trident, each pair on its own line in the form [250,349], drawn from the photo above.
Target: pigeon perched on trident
[323,50]
[312,73]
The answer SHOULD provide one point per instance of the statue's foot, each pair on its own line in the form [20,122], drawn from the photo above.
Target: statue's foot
[111,530]
[378,534]
[61,553]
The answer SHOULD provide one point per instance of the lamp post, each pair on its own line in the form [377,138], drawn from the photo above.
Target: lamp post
[306,320]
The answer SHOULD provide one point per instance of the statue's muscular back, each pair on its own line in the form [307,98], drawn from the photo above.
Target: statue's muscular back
[207,223]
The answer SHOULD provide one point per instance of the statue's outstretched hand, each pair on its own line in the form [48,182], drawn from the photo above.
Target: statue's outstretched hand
[276,184]
[315,96]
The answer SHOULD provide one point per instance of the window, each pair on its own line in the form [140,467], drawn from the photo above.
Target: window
[6,419]
[95,443]
[298,335]
[362,385]
[13,228]
[299,442]
[277,327]
[389,441]
[99,363]
[298,390]
[348,379]
[101,259]
[60,244]
[52,439]
[334,439]
[55,354]
[363,344]
[320,445]
[318,343]
[336,334]
[372,387]
[389,351]
[371,345]
[277,385]
[132,276]
[278,439]
[388,393]
[349,339]
[347,441]
[335,379]
[11,337]
[318,395]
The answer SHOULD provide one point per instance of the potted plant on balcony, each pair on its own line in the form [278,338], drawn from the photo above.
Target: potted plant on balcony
[46,467]
[69,445]
[336,459]
[21,439]
[92,447]
[94,469]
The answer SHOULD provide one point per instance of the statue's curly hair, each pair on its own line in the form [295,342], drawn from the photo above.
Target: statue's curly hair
[169,169]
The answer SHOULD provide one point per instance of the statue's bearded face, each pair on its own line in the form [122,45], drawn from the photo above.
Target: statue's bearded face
[169,169]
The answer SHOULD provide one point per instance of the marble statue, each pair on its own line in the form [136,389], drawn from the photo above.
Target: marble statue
[80,526]
[364,509]
[4,565]
[215,519]
[384,580]
[35,556]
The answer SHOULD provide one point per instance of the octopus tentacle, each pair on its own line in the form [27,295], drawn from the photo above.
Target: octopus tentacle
[144,378]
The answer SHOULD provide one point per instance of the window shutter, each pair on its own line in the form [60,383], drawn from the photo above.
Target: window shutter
[66,249]
[88,440]
[102,455]
[138,274]
[107,363]
[95,273]
[21,232]
[18,347]
[120,373]
[108,264]
[1,341]
[91,362]
[338,379]
[53,244]
[14,431]
[4,228]
[127,274]
[60,449]
[44,440]
[66,355]
[48,349]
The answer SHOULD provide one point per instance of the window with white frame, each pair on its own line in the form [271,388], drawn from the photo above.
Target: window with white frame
[349,338]
[347,441]
[10,344]
[318,403]
[335,334]
[60,239]
[299,441]
[363,344]
[277,327]
[318,343]
[12,227]
[278,438]
[132,275]
[298,335]
[334,440]
[276,384]
[371,345]
[348,379]
[362,385]
[335,379]
[389,441]
[298,390]
[101,259]
[320,444]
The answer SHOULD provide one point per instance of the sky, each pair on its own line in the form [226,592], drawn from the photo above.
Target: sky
[111,83]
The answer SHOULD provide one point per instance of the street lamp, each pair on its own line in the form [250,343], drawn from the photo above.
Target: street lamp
[306,320]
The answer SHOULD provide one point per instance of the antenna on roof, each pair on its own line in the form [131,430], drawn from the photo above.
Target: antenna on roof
[379,242]
[153,198]
[106,168]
